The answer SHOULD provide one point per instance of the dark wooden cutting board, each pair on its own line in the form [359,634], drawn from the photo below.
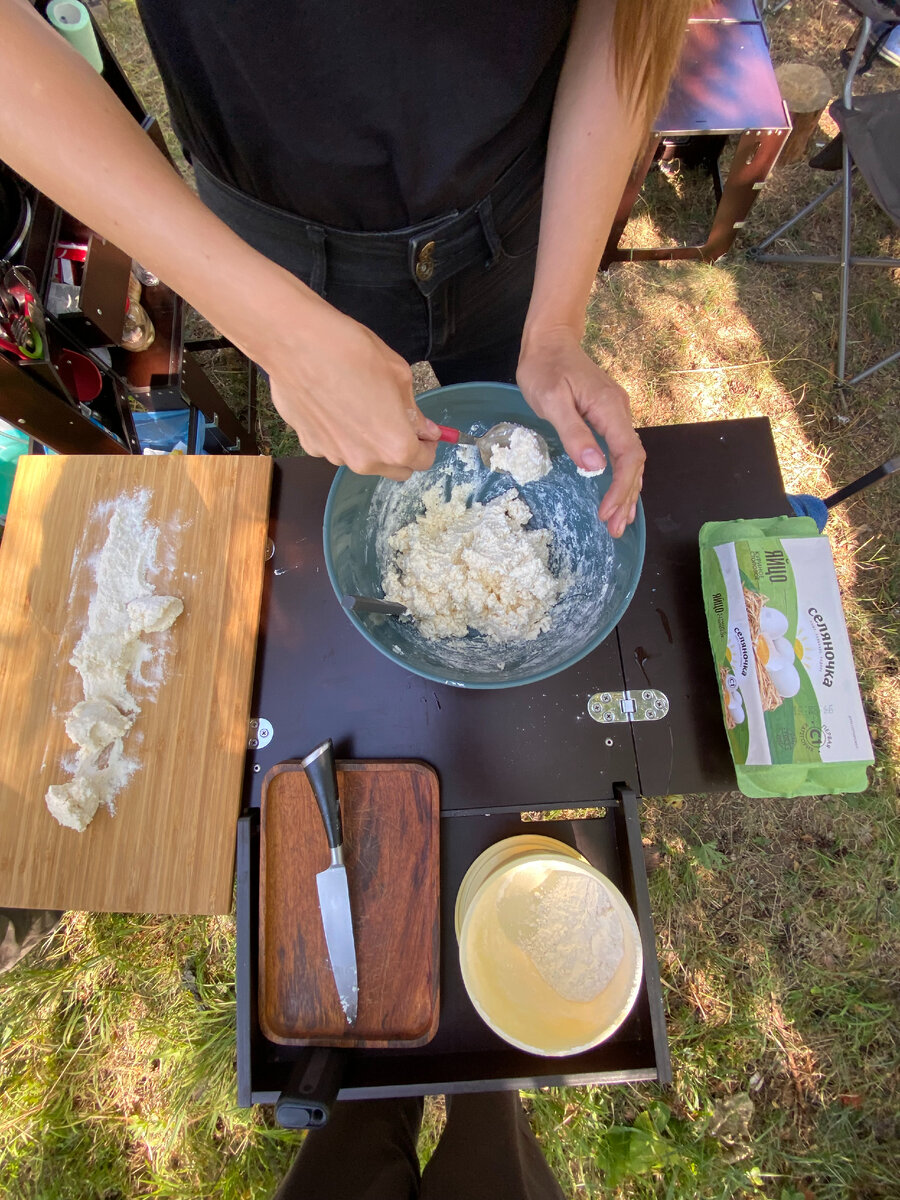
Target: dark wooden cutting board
[391,849]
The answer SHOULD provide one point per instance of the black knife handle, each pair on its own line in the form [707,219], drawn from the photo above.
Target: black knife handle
[311,1092]
[319,768]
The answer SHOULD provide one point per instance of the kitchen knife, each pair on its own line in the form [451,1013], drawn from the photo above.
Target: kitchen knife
[334,894]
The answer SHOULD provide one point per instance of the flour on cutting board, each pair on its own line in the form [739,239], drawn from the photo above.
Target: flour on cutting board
[111,657]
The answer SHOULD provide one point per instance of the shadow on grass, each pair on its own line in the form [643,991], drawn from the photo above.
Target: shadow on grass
[776,920]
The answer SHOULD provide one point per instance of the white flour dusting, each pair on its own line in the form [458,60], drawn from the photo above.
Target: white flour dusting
[458,568]
[467,455]
[111,652]
[567,926]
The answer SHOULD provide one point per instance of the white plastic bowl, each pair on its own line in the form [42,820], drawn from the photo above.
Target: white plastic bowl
[504,984]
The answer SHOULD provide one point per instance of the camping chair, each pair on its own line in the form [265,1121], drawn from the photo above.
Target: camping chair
[870,135]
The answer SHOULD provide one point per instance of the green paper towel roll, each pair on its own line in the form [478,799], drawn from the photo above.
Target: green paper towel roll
[72,20]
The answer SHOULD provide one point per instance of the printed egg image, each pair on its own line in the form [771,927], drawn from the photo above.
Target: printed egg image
[784,649]
[736,708]
[772,622]
[774,653]
[731,683]
[805,646]
[732,653]
[786,680]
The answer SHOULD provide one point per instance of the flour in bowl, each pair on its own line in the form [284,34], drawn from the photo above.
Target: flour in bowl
[462,566]
[567,926]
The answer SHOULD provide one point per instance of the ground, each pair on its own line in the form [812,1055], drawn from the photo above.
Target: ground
[777,921]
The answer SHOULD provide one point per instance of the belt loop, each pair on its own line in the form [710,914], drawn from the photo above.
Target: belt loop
[485,212]
[316,235]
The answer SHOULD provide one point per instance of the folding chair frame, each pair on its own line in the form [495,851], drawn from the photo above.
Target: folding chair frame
[845,258]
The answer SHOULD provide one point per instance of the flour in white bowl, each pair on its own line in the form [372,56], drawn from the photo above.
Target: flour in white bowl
[567,926]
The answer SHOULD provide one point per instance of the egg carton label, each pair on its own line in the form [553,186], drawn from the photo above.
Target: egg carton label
[788,683]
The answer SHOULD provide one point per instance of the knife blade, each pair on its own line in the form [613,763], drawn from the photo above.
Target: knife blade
[334,893]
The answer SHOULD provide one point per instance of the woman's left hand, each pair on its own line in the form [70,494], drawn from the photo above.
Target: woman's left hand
[565,387]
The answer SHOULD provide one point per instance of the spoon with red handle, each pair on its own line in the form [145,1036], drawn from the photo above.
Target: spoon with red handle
[497,435]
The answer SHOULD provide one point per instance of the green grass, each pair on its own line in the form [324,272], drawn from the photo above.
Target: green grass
[778,922]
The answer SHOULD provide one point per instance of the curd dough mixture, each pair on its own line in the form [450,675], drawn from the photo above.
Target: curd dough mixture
[522,458]
[111,650]
[458,568]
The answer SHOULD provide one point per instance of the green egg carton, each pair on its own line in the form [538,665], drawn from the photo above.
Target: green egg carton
[790,698]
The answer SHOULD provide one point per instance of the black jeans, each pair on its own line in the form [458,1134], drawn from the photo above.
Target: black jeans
[453,291]
[21,929]
[367,1151]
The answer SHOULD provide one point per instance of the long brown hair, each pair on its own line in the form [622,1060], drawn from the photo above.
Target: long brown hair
[648,36]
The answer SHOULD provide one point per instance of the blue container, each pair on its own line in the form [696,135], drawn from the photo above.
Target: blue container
[167,428]
[363,511]
[13,444]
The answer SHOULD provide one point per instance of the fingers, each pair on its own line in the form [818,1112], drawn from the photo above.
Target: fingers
[394,442]
[619,505]
[608,412]
[422,457]
[399,475]
[397,450]
[419,456]
[575,434]
[425,429]
[596,402]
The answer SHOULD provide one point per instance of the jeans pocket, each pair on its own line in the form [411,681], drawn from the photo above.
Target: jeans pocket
[519,236]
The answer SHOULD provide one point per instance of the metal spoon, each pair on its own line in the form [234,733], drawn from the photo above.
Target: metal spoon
[497,435]
[373,605]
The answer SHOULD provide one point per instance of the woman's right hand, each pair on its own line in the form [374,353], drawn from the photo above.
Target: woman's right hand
[348,395]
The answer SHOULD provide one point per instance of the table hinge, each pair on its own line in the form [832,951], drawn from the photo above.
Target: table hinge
[260,733]
[620,707]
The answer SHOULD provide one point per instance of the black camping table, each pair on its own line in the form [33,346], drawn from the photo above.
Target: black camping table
[506,752]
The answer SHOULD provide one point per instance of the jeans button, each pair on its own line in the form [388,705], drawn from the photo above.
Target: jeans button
[425,262]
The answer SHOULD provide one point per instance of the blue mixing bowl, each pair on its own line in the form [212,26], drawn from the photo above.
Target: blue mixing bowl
[363,511]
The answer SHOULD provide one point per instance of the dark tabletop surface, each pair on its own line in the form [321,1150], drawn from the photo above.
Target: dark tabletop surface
[528,747]
[508,750]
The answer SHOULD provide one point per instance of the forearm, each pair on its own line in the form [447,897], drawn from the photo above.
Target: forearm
[64,130]
[595,135]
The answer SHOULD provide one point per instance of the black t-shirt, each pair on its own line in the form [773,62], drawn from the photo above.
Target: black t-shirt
[361,115]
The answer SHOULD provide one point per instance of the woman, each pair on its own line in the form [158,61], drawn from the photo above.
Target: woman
[441,114]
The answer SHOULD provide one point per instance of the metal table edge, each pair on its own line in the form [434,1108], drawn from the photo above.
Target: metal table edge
[525,1083]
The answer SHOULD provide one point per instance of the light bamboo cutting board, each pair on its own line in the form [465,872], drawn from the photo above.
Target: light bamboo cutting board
[170,846]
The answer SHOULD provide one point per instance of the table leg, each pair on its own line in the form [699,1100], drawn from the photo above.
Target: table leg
[755,155]
[626,204]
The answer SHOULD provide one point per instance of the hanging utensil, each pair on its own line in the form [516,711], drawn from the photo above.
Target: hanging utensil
[22,328]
